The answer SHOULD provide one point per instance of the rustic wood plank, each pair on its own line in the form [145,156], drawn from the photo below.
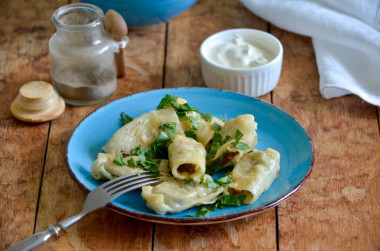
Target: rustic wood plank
[61,197]
[185,35]
[23,49]
[187,32]
[252,233]
[338,208]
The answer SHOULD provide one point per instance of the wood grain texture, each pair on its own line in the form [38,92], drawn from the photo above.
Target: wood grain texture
[23,49]
[252,233]
[187,32]
[61,197]
[338,208]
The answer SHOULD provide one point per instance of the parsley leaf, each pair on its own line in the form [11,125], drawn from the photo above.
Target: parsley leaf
[240,145]
[222,202]
[216,127]
[214,167]
[226,179]
[207,116]
[238,135]
[201,212]
[146,156]
[205,210]
[151,165]
[202,179]
[132,162]
[228,138]
[215,145]
[232,200]
[169,128]
[191,134]
[125,119]
[181,109]
[171,100]
[160,146]
[119,160]
[167,101]
[211,184]
[143,153]
[157,150]
[195,122]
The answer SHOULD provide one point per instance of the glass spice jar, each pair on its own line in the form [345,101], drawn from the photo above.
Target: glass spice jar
[82,55]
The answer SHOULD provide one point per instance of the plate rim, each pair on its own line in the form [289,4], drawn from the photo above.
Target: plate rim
[192,220]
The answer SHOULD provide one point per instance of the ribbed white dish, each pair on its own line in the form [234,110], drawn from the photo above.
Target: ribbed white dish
[254,81]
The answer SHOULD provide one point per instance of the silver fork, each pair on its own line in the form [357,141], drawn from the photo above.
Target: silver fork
[96,199]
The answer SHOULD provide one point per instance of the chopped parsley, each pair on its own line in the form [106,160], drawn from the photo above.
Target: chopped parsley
[142,153]
[202,179]
[222,202]
[160,146]
[214,167]
[169,128]
[171,100]
[216,127]
[132,162]
[151,165]
[232,200]
[238,135]
[202,211]
[208,182]
[150,158]
[147,161]
[167,101]
[240,145]
[125,119]
[119,160]
[228,138]
[211,184]
[226,179]
[191,134]
[215,145]
[195,122]
[207,116]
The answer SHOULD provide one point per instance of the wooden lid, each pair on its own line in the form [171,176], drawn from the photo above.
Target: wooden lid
[37,102]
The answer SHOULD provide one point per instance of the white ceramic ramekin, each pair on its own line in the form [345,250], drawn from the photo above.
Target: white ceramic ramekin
[253,81]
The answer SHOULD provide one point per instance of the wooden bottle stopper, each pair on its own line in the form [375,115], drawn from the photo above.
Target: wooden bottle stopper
[37,102]
[115,25]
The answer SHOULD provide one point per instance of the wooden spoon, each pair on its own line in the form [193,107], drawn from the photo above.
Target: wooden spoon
[115,25]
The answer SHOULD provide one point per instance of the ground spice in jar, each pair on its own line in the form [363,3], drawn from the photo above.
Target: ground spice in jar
[82,55]
[85,83]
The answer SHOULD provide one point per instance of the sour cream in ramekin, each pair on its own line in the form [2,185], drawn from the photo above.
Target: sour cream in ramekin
[239,53]
[242,60]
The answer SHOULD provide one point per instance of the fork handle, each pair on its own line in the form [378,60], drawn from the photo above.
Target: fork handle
[70,221]
[39,238]
[36,239]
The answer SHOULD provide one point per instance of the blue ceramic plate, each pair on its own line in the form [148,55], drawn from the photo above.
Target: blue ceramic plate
[276,129]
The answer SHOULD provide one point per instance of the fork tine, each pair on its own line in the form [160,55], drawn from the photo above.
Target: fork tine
[125,185]
[139,184]
[119,179]
[130,180]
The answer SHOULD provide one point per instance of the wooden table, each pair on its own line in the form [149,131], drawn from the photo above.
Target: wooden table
[337,209]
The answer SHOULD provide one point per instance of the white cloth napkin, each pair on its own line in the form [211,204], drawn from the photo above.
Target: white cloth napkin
[346,40]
